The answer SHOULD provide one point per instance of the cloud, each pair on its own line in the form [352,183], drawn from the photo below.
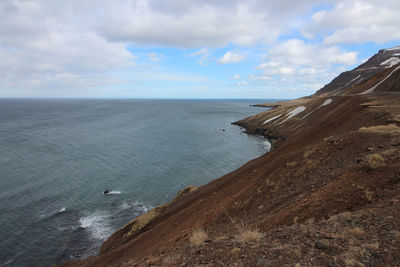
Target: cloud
[301,63]
[235,77]
[299,52]
[230,57]
[193,24]
[38,51]
[242,83]
[154,56]
[357,22]
[203,53]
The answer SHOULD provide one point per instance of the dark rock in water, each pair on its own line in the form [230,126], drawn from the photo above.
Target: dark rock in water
[106,192]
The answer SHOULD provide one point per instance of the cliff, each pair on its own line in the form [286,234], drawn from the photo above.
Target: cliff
[328,194]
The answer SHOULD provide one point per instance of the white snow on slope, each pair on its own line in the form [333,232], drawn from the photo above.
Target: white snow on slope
[393,48]
[294,112]
[271,119]
[353,80]
[391,62]
[397,54]
[326,102]
[359,81]
[370,90]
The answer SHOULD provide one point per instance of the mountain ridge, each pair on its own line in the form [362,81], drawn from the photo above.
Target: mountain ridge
[384,59]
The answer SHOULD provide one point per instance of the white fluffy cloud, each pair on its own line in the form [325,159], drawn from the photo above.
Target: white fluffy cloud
[203,53]
[37,50]
[357,21]
[230,57]
[298,62]
[192,23]
[47,44]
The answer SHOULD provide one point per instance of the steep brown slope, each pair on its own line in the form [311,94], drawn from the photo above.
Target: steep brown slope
[337,154]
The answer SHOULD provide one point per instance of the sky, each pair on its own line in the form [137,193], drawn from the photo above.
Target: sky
[186,48]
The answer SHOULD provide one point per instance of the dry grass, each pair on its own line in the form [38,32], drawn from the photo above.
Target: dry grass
[198,236]
[291,164]
[357,231]
[383,129]
[375,161]
[140,222]
[369,195]
[246,234]
[235,251]
[372,246]
[308,153]
[186,190]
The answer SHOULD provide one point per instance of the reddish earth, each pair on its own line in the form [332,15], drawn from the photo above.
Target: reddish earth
[328,194]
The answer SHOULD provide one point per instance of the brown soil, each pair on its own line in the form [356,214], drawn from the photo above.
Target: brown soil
[318,198]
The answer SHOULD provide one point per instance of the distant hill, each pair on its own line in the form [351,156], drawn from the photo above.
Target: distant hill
[381,64]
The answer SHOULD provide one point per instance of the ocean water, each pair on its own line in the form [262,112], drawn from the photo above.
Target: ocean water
[58,156]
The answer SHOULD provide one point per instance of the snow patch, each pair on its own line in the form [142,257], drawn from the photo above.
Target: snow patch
[359,81]
[326,102]
[396,54]
[271,119]
[352,80]
[294,112]
[390,62]
[370,90]
[393,48]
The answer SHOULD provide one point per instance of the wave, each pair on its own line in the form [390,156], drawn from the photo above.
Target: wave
[267,145]
[97,224]
[112,192]
[6,263]
[46,216]
[139,207]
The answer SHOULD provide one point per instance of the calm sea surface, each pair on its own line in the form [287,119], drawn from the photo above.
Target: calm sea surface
[58,156]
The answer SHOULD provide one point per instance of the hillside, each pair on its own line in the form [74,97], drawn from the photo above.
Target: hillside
[328,194]
[384,59]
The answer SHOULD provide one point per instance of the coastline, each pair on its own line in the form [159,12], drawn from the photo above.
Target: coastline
[278,191]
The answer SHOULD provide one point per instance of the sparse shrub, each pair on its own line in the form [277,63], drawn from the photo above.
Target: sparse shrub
[375,161]
[198,237]
[369,195]
[246,234]
[383,129]
[235,251]
[357,231]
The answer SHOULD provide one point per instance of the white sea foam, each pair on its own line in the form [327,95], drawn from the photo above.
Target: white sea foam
[62,210]
[114,193]
[267,145]
[6,263]
[97,224]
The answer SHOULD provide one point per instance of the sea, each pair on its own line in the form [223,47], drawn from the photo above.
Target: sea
[58,156]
